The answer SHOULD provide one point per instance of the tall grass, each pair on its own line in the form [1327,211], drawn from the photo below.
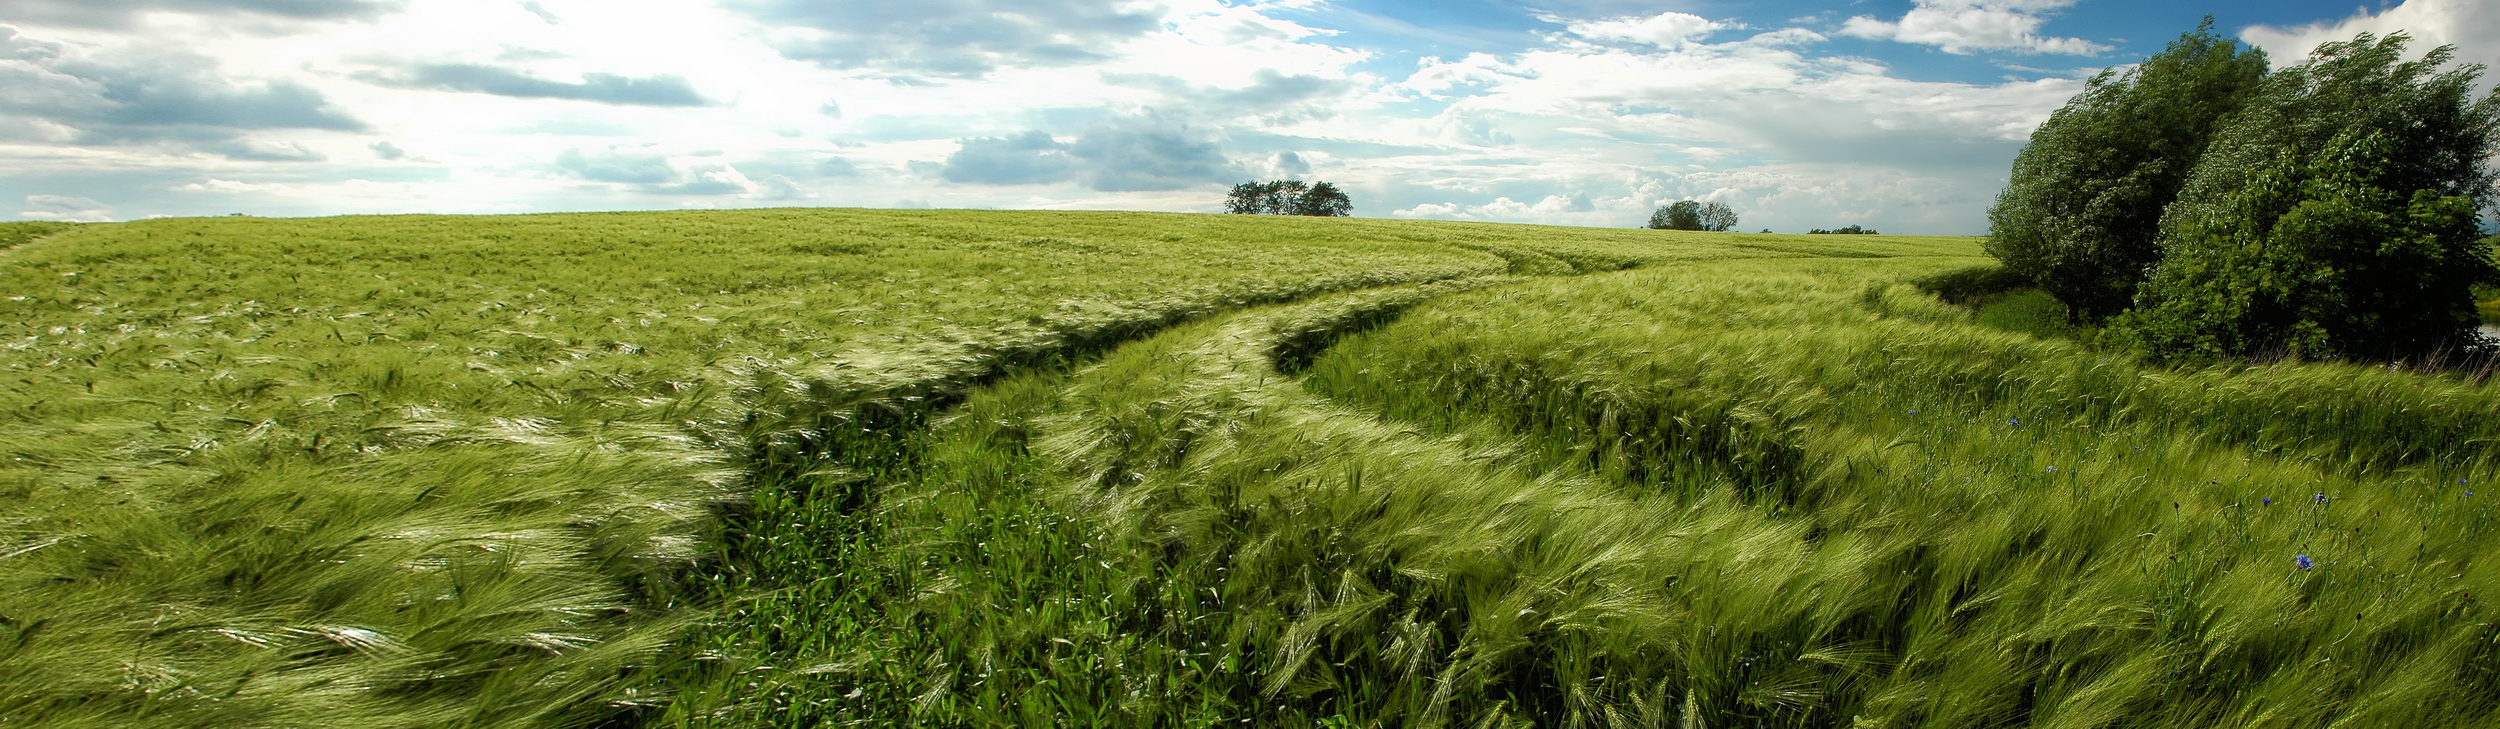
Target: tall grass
[1047,566]
[424,470]
[1733,493]
[1173,536]
[977,469]
[14,234]
[2041,534]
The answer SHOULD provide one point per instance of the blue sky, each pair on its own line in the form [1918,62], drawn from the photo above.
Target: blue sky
[1902,115]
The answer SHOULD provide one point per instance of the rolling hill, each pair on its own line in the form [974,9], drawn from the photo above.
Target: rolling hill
[790,467]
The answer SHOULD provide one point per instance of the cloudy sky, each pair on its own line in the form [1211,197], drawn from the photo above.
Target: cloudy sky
[1902,115]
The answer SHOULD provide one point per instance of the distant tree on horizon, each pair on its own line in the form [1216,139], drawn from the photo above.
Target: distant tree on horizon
[1693,215]
[1852,229]
[1718,217]
[1288,197]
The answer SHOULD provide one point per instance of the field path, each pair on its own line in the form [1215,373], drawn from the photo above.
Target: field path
[423,470]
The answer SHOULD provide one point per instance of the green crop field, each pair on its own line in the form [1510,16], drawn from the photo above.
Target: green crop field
[954,468]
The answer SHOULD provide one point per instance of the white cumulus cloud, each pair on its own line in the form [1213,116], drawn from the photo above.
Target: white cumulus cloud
[1592,118]
[1964,26]
[66,209]
[224,187]
[1665,30]
[2470,25]
[1584,134]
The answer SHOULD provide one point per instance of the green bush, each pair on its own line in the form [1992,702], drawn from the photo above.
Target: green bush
[2082,210]
[2335,218]
[2487,293]
[1965,285]
[2033,312]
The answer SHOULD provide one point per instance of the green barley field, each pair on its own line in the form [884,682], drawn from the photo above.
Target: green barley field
[824,467]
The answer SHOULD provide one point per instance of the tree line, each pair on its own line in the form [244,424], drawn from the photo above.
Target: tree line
[1697,215]
[1693,215]
[2202,206]
[1288,197]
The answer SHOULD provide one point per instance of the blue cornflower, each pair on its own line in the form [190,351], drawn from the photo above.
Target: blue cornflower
[2302,560]
[2014,421]
[2321,498]
[2269,502]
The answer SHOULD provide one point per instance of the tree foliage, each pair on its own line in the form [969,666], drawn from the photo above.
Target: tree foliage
[1288,197]
[2081,213]
[2335,216]
[1718,217]
[1851,229]
[1682,215]
[1693,215]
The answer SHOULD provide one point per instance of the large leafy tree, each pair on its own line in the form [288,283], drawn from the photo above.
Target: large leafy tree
[2335,217]
[1718,217]
[1693,215]
[2082,211]
[1683,215]
[1323,200]
[1288,197]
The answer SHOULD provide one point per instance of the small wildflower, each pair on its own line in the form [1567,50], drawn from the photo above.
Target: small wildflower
[2014,421]
[2321,498]
[2302,560]
[1913,411]
[2052,469]
[2268,502]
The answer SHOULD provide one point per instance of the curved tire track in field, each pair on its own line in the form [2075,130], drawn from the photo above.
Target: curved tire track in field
[842,459]
[1365,572]
[1161,401]
[829,456]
